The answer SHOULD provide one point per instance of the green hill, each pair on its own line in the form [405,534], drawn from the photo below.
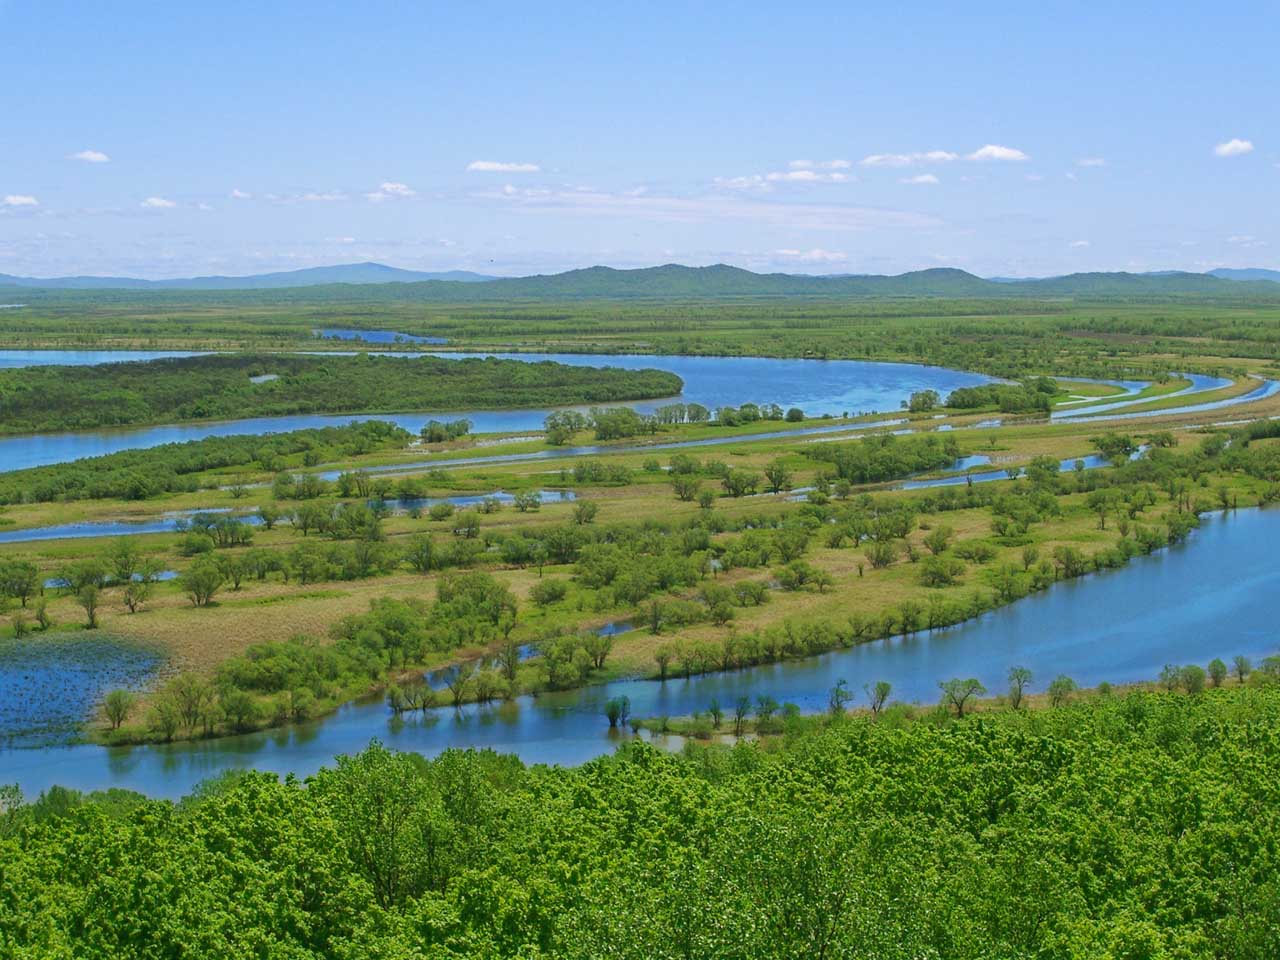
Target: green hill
[375,283]
[361,273]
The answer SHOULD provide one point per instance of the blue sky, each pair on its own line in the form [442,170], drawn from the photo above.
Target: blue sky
[169,139]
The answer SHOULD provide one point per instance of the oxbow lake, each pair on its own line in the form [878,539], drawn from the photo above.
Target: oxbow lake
[1212,596]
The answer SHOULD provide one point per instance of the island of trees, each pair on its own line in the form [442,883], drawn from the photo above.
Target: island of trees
[253,385]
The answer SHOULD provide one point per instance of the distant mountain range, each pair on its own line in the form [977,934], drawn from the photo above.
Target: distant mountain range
[365,281]
[310,277]
[1250,273]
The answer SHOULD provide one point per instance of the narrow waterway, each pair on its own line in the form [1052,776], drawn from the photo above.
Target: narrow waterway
[179,520]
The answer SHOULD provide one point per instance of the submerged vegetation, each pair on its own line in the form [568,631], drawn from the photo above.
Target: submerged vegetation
[48,684]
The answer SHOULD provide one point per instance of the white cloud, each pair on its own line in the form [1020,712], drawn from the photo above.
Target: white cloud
[1091,162]
[805,176]
[923,178]
[994,151]
[329,197]
[204,206]
[1079,244]
[240,195]
[908,159]
[673,209]
[390,190]
[816,255]
[800,171]
[753,182]
[1035,177]
[1246,240]
[1233,148]
[90,156]
[20,200]
[158,203]
[819,165]
[498,166]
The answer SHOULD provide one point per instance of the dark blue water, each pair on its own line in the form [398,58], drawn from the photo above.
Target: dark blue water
[1212,596]
[816,386]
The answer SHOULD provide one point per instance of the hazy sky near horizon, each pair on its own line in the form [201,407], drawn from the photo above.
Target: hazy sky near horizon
[171,139]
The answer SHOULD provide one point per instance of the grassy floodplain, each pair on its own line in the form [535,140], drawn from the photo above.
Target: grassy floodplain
[996,549]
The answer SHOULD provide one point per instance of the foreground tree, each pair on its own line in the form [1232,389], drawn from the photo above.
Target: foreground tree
[778,476]
[618,710]
[116,705]
[938,539]
[136,593]
[89,597]
[877,695]
[1060,689]
[839,696]
[389,820]
[19,579]
[202,581]
[957,693]
[1192,678]
[1019,679]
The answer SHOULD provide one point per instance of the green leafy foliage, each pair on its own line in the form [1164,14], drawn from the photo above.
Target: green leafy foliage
[1131,826]
[171,468]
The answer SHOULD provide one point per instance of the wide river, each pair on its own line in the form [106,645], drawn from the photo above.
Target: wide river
[815,386]
[1209,597]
